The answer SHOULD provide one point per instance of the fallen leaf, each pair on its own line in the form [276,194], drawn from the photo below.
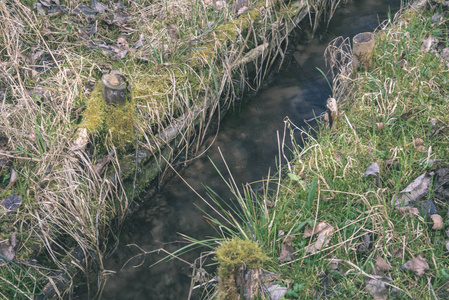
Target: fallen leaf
[414,191]
[433,121]
[7,252]
[398,252]
[428,43]
[81,140]
[377,288]
[324,232]
[276,291]
[438,223]
[407,210]
[101,164]
[417,265]
[372,170]
[12,203]
[309,231]
[286,253]
[381,266]
[98,6]
[13,178]
[447,245]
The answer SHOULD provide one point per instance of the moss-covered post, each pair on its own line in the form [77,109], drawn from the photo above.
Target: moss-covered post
[115,89]
[363,49]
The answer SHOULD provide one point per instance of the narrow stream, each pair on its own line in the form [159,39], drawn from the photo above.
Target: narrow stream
[249,145]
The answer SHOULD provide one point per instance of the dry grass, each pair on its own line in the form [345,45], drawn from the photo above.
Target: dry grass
[185,61]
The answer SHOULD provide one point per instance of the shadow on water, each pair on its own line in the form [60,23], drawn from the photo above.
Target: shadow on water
[249,145]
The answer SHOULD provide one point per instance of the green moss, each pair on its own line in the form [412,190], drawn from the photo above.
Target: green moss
[117,121]
[232,256]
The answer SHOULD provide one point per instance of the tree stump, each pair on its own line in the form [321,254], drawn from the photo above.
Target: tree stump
[363,50]
[115,89]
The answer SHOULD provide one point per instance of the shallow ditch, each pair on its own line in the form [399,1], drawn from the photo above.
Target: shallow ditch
[248,142]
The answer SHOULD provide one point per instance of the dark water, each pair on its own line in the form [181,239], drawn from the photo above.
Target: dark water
[249,145]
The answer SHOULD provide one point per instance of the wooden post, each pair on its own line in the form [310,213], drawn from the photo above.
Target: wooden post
[363,50]
[115,89]
[332,112]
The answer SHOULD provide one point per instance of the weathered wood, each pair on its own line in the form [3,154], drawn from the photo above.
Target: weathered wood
[115,89]
[363,50]
[332,112]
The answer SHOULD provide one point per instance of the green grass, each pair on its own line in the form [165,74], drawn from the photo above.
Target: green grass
[326,180]
[187,59]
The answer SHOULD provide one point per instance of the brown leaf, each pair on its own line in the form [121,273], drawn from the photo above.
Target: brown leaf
[13,178]
[407,210]
[417,265]
[100,166]
[12,203]
[372,170]
[414,191]
[397,252]
[324,232]
[286,253]
[81,140]
[428,43]
[438,223]
[381,266]
[377,288]
[7,252]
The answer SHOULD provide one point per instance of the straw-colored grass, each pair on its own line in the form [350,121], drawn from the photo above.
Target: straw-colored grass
[185,61]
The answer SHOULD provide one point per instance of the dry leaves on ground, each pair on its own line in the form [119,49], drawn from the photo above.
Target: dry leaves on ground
[372,170]
[11,203]
[286,249]
[7,252]
[377,288]
[438,223]
[381,266]
[414,191]
[417,265]
[323,231]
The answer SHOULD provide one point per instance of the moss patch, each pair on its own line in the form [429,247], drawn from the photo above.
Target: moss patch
[117,122]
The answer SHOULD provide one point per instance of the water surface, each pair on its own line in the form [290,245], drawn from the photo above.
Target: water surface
[249,145]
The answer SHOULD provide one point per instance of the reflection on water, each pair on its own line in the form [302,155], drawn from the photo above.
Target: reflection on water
[249,146]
